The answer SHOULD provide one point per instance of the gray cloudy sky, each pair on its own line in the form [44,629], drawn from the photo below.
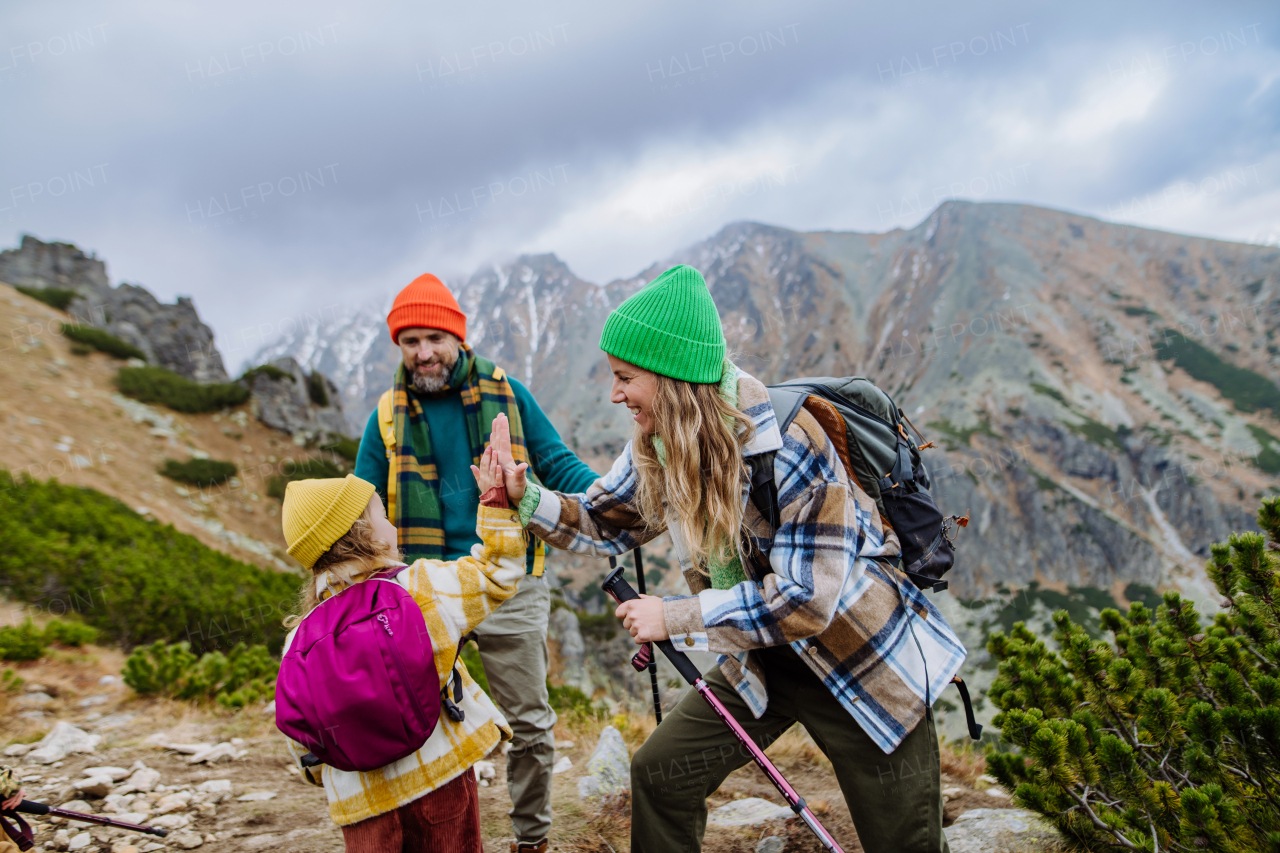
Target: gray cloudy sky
[272,158]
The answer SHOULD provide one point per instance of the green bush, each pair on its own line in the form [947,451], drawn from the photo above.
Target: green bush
[345,447]
[157,385]
[1247,390]
[314,468]
[1165,738]
[566,699]
[74,634]
[243,675]
[21,642]
[267,370]
[133,579]
[475,667]
[199,472]
[102,341]
[317,391]
[10,681]
[54,297]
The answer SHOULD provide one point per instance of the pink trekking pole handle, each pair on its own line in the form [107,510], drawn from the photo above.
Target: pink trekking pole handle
[618,588]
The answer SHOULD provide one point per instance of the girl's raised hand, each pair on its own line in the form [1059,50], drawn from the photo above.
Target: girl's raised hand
[500,441]
[489,473]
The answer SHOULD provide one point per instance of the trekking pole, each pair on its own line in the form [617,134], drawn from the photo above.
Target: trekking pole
[23,837]
[643,659]
[618,589]
[653,662]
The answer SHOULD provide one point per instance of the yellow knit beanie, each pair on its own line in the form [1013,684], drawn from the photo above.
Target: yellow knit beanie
[317,513]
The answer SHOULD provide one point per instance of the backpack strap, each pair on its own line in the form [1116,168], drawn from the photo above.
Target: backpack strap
[387,429]
[764,491]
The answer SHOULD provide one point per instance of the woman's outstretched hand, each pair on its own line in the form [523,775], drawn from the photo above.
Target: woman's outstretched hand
[644,618]
[500,441]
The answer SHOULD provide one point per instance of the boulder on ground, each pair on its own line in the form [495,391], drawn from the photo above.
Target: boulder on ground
[987,830]
[142,780]
[214,786]
[17,750]
[61,741]
[257,797]
[588,786]
[185,840]
[222,752]
[610,763]
[116,773]
[94,786]
[752,811]
[771,844]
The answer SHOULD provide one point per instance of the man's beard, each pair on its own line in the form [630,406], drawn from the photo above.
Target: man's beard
[430,384]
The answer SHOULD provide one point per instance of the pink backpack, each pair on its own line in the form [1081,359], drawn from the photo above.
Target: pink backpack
[358,686]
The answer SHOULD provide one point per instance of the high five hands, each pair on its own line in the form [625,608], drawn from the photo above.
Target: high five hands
[500,442]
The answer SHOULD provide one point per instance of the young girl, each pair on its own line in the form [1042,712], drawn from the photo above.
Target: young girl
[426,801]
[816,633]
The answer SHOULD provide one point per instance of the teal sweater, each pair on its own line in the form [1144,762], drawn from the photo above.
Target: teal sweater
[553,463]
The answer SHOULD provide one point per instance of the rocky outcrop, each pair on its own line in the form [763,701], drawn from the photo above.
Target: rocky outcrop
[172,336]
[308,406]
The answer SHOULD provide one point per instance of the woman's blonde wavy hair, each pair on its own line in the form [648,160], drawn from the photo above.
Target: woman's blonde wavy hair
[700,485]
[350,560]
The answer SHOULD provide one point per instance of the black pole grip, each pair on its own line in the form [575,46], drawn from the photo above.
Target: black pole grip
[616,586]
[30,807]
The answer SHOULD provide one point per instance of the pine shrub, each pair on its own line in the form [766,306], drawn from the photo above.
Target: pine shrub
[10,682]
[54,297]
[317,391]
[268,370]
[102,341]
[158,385]
[314,468]
[199,472]
[345,447]
[1166,737]
[72,549]
[243,675]
[21,642]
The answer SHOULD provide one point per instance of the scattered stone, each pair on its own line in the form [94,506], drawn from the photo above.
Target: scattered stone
[90,701]
[185,840]
[214,786]
[212,755]
[80,842]
[486,770]
[171,821]
[610,763]
[61,741]
[562,765]
[151,847]
[588,787]
[989,830]
[270,707]
[143,779]
[565,744]
[186,748]
[107,679]
[771,844]
[61,840]
[123,847]
[35,687]
[34,700]
[138,818]
[94,786]
[17,750]
[115,773]
[751,811]
[950,793]
[173,802]
[257,796]
[260,842]
[237,742]
[81,806]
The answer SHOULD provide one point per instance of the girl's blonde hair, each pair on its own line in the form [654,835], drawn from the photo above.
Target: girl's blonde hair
[358,554]
[699,480]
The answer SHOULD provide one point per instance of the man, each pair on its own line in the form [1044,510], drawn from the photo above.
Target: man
[417,449]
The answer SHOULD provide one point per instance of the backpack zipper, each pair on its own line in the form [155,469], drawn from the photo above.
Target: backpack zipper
[404,672]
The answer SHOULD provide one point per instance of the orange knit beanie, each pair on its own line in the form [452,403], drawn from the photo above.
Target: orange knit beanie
[426,303]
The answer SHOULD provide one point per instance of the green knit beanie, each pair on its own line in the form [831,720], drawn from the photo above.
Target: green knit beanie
[670,327]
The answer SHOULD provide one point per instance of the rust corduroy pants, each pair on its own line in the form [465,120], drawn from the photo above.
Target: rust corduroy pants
[445,821]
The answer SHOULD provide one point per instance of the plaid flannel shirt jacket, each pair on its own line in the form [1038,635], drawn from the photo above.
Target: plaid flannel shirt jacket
[839,608]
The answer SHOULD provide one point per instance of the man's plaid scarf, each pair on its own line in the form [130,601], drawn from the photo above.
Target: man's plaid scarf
[414,482]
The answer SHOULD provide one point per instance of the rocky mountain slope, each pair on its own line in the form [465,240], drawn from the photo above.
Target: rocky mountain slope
[63,418]
[172,336]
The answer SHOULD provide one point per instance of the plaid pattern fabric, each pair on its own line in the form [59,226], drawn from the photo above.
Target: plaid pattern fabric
[414,478]
[9,785]
[825,593]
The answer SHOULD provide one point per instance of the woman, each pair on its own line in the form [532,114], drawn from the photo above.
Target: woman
[815,633]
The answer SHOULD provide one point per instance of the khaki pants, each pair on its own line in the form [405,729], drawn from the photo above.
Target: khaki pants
[513,649]
[895,800]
